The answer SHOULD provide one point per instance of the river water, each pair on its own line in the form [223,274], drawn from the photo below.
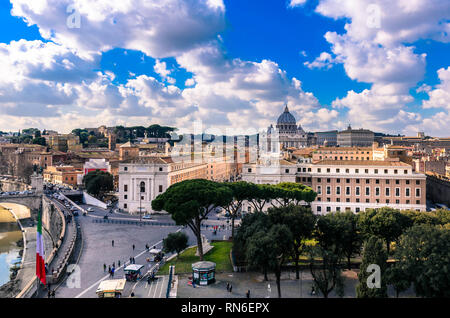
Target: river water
[10,234]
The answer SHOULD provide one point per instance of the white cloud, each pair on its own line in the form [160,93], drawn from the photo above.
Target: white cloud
[161,69]
[189,82]
[159,28]
[400,21]
[324,60]
[296,3]
[440,96]
[375,49]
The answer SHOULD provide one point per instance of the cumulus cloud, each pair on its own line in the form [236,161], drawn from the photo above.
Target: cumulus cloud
[376,49]
[440,96]
[324,60]
[159,28]
[296,3]
[60,77]
[391,23]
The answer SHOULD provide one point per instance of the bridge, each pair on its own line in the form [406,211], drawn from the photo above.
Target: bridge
[31,201]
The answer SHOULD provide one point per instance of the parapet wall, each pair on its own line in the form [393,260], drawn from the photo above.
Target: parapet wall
[13,185]
[52,220]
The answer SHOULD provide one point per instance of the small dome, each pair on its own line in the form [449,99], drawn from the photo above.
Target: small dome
[286,118]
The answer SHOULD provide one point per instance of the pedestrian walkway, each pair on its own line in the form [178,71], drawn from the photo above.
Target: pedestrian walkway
[156,288]
[61,257]
[28,270]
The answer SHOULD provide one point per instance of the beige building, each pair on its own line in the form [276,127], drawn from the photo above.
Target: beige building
[342,153]
[64,143]
[67,175]
[348,184]
[355,137]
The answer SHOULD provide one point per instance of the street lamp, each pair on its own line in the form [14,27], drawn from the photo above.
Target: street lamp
[140,205]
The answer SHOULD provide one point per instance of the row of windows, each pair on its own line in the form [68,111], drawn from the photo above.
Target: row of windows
[342,158]
[366,171]
[377,181]
[347,170]
[338,209]
[340,152]
[141,187]
[387,191]
[126,169]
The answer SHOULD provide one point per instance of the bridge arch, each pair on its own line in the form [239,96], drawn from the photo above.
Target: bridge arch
[32,202]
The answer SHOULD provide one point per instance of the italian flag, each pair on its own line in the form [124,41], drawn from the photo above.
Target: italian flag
[40,263]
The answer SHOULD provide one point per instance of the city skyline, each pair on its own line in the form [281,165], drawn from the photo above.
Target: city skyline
[375,64]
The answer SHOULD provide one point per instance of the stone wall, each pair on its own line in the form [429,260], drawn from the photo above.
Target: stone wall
[438,190]
[11,185]
[52,220]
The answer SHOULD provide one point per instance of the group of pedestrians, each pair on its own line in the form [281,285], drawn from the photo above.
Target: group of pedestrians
[51,293]
[111,270]
[230,289]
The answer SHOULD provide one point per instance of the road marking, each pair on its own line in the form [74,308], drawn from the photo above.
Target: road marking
[150,289]
[162,286]
[102,279]
[156,288]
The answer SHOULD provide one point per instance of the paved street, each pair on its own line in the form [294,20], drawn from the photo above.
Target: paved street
[98,250]
[290,287]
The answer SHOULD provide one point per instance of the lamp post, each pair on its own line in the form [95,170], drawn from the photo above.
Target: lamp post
[140,205]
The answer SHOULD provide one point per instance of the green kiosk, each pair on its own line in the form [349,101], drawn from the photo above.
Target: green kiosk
[203,273]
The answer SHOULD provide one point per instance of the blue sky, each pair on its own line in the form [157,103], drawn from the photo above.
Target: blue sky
[229,64]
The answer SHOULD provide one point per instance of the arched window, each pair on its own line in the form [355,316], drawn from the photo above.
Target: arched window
[142,186]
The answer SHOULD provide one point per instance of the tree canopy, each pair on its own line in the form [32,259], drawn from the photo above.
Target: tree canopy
[98,182]
[374,253]
[175,242]
[301,221]
[385,223]
[423,256]
[189,202]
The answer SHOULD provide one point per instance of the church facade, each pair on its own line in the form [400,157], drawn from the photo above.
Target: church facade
[289,134]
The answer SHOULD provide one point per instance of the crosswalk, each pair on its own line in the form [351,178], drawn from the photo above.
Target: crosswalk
[156,288]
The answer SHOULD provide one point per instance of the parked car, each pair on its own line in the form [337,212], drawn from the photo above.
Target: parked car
[90,209]
[147,217]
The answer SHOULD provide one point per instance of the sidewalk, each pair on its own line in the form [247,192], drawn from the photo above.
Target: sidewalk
[28,270]
[64,250]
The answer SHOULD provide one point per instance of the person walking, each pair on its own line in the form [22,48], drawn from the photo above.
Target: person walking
[231,288]
[248,293]
[118,263]
[133,247]
[49,293]
[104,267]
[114,265]
[228,287]
[112,243]
[53,293]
